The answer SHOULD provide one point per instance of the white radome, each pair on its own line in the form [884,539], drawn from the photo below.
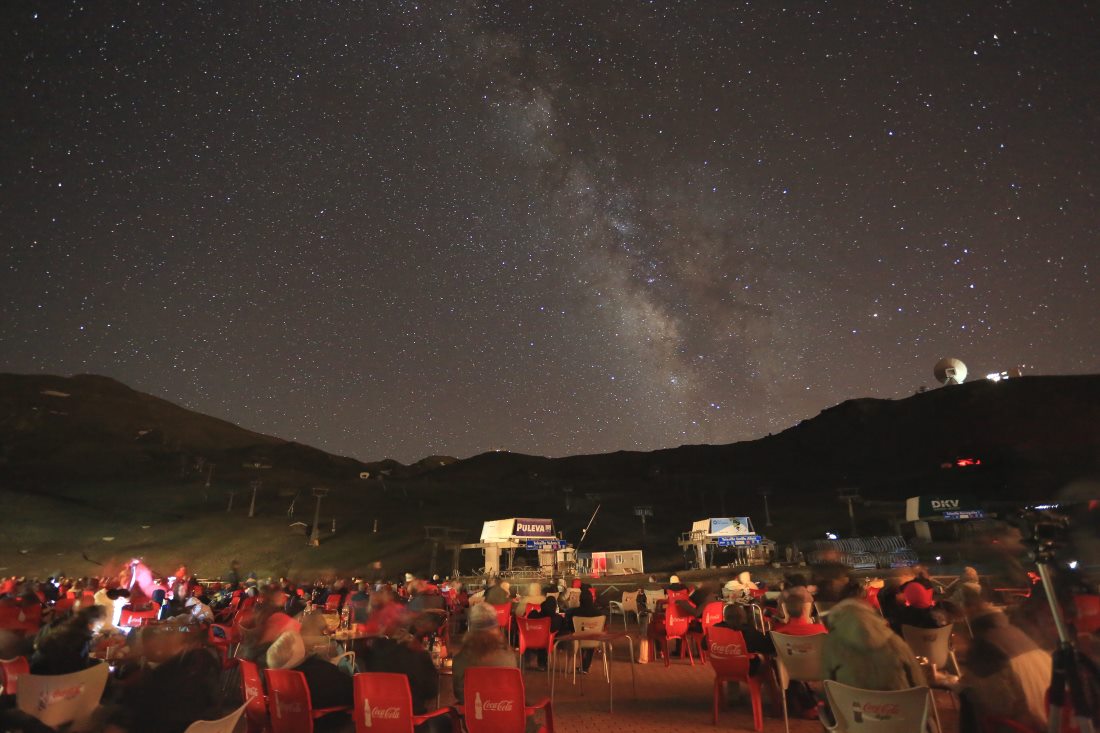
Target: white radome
[950,371]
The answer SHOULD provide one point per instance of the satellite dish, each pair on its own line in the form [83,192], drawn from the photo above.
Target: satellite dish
[950,371]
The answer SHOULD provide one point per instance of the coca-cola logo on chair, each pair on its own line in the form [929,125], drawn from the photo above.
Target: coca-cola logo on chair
[881,710]
[726,650]
[498,706]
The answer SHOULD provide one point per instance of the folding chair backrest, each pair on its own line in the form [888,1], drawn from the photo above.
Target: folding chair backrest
[630,600]
[383,703]
[534,633]
[651,598]
[799,657]
[728,654]
[495,701]
[288,701]
[10,671]
[875,711]
[583,624]
[252,690]
[935,644]
[62,698]
[221,725]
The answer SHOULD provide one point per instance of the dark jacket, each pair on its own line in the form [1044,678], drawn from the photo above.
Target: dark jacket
[921,618]
[387,655]
[755,641]
[328,686]
[61,650]
[548,609]
[174,694]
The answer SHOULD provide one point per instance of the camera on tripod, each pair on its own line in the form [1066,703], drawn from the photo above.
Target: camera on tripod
[1046,531]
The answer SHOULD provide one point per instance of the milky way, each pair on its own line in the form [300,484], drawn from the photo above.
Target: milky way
[401,229]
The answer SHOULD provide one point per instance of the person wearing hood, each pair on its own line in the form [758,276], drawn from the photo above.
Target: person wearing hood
[547,609]
[966,585]
[199,610]
[675,586]
[920,609]
[399,652]
[1005,675]
[65,647]
[499,594]
[483,646]
[328,686]
[741,587]
[586,609]
[862,651]
[533,598]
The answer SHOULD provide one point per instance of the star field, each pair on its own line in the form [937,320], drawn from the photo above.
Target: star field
[406,228]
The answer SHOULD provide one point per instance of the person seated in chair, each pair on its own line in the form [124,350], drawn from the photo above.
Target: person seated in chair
[920,610]
[736,617]
[328,686]
[799,605]
[587,609]
[483,646]
[548,609]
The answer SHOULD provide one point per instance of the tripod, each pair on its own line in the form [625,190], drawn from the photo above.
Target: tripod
[1068,666]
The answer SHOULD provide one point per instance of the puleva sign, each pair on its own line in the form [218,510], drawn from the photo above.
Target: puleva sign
[534,528]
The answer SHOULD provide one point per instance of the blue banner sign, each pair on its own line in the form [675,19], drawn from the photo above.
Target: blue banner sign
[965,514]
[545,544]
[744,540]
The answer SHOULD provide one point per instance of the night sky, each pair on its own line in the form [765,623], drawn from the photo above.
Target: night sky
[402,229]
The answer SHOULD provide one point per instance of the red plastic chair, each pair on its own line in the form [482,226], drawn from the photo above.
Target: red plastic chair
[677,595]
[676,626]
[10,669]
[534,633]
[1088,613]
[504,619]
[63,606]
[332,603]
[383,704]
[229,611]
[495,702]
[289,705]
[224,639]
[22,619]
[1000,724]
[732,663]
[712,614]
[252,688]
[135,619]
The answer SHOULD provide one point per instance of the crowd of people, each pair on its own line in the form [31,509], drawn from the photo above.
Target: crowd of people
[172,667]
